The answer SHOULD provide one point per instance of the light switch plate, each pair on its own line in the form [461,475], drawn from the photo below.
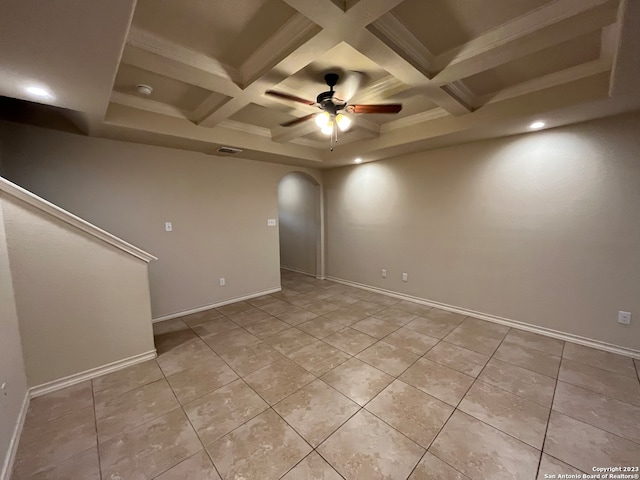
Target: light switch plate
[271,222]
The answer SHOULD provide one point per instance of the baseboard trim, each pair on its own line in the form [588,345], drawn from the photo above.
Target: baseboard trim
[89,374]
[9,460]
[569,337]
[171,316]
[296,270]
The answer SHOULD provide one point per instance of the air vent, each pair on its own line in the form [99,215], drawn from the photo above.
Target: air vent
[229,150]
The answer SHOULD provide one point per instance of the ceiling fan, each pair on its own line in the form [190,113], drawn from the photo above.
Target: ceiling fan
[333,106]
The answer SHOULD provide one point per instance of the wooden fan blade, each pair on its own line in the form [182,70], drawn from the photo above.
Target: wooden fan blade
[286,96]
[387,108]
[297,120]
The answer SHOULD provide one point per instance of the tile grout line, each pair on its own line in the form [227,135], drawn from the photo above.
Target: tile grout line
[444,423]
[423,356]
[455,409]
[586,387]
[556,380]
[269,407]
[546,430]
[314,449]
[395,377]
[381,391]
[378,393]
[59,417]
[351,356]
[190,423]
[95,419]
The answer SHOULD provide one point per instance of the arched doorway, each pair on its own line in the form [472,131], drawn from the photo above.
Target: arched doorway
[299,211]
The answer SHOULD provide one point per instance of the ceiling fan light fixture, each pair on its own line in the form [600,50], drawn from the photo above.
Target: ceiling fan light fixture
[343,122]
[327,129]
[323,119]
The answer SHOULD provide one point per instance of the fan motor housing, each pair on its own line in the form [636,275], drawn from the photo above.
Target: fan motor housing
[325,100]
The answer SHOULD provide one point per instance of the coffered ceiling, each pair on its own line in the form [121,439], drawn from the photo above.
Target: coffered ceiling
[462,69]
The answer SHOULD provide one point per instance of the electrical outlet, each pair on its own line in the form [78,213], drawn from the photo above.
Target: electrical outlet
[168,227]
[271,222]
[384,273]
[624,318]
[405,277]
[223,282]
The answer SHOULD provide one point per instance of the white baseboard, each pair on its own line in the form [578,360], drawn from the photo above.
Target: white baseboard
[59,384]
[89,374]
[297,270]
[9,460]
[569,337]
[171,316]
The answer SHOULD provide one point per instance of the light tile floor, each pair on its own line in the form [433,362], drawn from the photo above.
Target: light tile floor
[325,381]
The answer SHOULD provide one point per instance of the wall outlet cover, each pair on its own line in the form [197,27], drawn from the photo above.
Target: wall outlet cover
[624,318]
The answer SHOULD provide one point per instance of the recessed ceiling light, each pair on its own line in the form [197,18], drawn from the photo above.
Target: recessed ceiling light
[38,92]
[358,160]
[537,125]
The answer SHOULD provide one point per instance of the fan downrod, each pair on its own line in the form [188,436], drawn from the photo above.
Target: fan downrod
[325,99]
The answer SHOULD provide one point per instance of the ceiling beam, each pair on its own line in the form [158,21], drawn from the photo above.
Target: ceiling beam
[377,50]
[212,102]
[411,120]
[383,88]
[148,105]
[372,128]
[369,27]
[393,32]
[302,56]
[460,91]
[326,14]
[159,55]
[296,31]
[545,27]
[336,26]
[554,79]
[285,134]
[624,54]
[246,128]
[148,123]
[555,98]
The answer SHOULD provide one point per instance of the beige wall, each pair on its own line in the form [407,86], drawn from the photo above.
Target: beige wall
[82,303]
[219,207]
[12,370]
[541,228]
[299,220]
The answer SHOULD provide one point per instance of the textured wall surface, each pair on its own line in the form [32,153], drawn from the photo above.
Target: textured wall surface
[81,303]
[12,371]
[218,206]
[541,228]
